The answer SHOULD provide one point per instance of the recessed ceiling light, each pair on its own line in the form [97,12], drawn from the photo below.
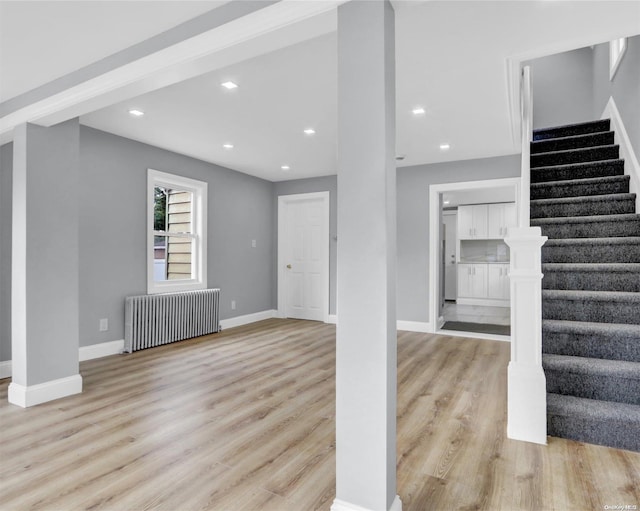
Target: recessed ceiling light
[309,131]
[447,202]
[229,85]
[444,147]
[228,146]
[136,113]
[418,111]
[285,167]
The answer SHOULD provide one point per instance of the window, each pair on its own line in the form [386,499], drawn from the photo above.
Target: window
[176,240]
[616,51]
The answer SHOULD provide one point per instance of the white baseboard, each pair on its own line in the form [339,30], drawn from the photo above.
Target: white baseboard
[248,318]
[341,505]
[632,167]
[474,335]
[43,392]
[103,349]
[415,326]
[5,369]
[332,319]
[487,302]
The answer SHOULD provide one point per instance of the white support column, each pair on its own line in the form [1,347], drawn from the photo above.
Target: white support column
[366,331]
[44,284]
[527,399]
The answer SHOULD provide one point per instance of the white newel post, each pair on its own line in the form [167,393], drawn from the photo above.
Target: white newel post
[527,392]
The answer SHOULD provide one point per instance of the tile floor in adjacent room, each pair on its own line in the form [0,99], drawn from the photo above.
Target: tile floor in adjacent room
[476,314]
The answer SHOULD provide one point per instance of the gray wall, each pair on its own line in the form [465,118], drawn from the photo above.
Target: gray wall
[113,230]
[413,222]
[6,167]
[562,88]
[316,184]
[625,87]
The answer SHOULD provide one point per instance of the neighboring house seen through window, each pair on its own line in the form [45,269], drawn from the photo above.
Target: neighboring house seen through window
[177,212]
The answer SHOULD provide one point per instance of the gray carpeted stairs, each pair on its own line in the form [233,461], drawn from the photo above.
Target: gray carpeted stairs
[591,287]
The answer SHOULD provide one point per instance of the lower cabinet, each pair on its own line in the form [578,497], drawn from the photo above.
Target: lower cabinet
[483,284]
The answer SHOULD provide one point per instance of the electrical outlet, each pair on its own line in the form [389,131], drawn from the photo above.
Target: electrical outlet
[253,244]
[104,324]
[233,305]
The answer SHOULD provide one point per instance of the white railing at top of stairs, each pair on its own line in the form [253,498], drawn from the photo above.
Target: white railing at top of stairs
[526,111]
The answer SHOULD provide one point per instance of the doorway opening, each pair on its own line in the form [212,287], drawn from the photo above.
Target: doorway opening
[469,260]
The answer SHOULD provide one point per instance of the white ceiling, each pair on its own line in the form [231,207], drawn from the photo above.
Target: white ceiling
[451,59]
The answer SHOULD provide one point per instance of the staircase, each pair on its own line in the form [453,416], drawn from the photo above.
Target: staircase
[591,287]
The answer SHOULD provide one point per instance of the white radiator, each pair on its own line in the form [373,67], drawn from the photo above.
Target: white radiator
[152,320]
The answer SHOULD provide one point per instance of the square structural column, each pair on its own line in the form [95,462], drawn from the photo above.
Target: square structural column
[366,382]
[44,294]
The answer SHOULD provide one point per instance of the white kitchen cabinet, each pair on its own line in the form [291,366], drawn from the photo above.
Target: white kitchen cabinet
[472,280]
[472,222]
[499,218]
[498,286]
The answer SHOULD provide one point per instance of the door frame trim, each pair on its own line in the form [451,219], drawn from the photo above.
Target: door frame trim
[434,229]
[283,202]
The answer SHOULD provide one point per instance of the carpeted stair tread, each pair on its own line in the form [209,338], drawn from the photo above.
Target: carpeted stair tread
[585,170]
[572,129]
[598,422]
[593,366]
[598,306]
[572,142]
[623,249]
[610,204]
[592,276]
[593,226]
[580,187]
[613,341]
[586,154]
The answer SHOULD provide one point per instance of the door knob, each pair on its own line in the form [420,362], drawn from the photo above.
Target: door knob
[288,266]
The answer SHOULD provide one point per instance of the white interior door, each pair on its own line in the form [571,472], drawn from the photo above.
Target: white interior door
[450,220]
[303,258]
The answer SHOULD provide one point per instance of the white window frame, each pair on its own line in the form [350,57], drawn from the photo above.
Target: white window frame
[198,190]
[617,47]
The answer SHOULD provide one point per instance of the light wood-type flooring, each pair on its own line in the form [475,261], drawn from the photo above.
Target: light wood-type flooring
[244,420]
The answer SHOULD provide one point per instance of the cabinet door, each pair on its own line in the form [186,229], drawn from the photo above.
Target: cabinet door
[510,216]
[506,281]
[495,223]
[465,222]
[494,282]
[480,213]
[464,280]
[479,280]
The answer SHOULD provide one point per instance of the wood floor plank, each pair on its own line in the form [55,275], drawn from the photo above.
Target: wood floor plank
[245,420]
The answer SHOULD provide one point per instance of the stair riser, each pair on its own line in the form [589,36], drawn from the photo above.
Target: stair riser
[582,171]
[591,254]
[590,229]
[587,208]
[608,346]
[594,386]
[612,433]
[578,189]
[591,310]
[570,131]
[561,144]
[577,156]
[592,281]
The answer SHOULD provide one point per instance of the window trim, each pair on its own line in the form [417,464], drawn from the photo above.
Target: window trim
[198,190]
[617,48]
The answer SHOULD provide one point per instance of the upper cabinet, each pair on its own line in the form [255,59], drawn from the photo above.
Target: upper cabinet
[472,222]
[486,221]
[501,217]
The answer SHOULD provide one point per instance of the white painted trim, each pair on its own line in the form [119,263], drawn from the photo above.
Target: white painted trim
[248,318]
[102,349]
[473,335]
[5,369]
[632,167]
[415,326]
[32,395]
[283,201]
[489,302]
[341,505]
[615,55]
[332,319]
[434,204]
